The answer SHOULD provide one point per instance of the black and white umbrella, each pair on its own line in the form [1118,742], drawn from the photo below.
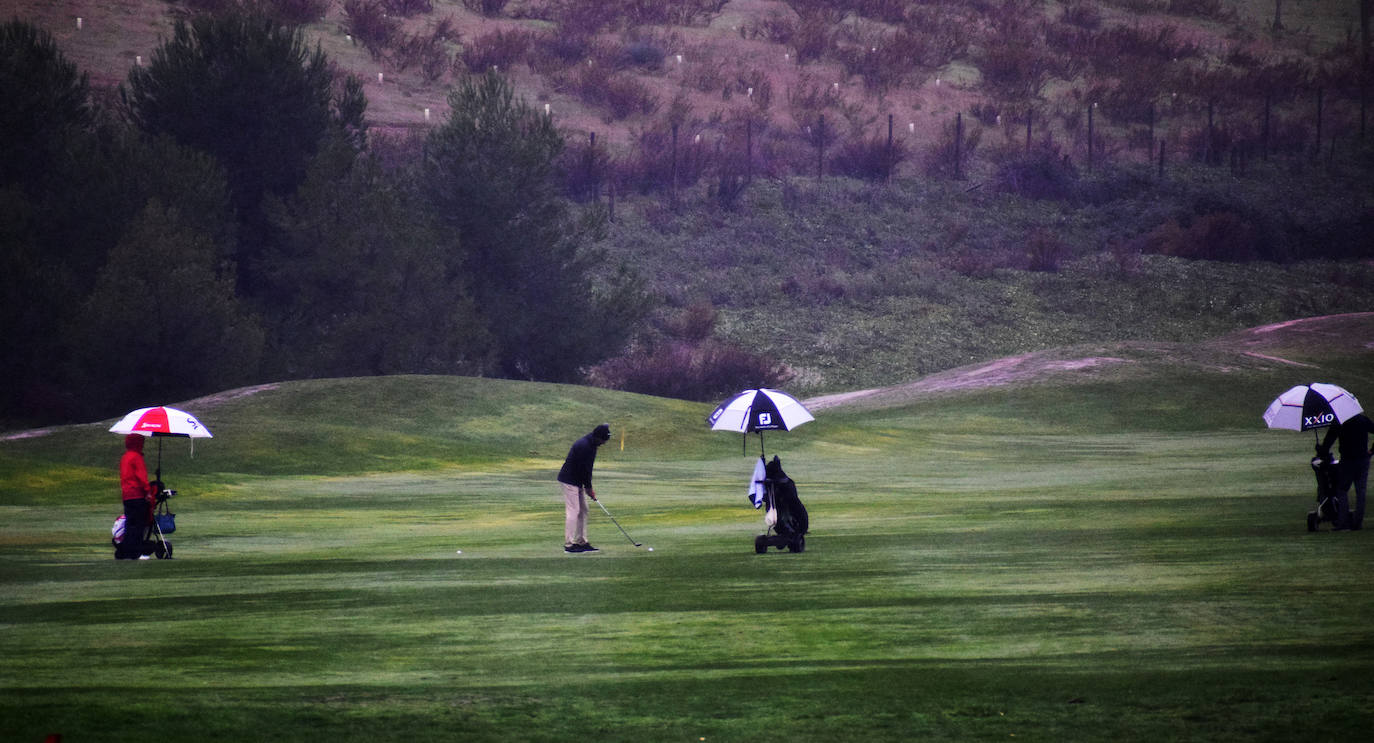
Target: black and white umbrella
[759,410]
[1310,406]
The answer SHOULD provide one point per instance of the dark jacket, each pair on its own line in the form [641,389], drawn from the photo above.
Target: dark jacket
[1353,436]
[577,468]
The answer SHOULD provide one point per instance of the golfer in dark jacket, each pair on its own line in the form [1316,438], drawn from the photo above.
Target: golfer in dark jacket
[576,479]
[1353,468]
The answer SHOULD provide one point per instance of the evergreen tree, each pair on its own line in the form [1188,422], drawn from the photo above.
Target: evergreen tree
[249,92]
[44,103]
[490,176]
[162,321]
[357,272]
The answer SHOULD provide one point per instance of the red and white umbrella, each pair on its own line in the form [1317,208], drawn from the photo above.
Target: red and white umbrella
[162,421]
[159,422]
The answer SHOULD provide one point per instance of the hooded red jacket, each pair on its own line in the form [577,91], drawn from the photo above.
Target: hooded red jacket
[133,471]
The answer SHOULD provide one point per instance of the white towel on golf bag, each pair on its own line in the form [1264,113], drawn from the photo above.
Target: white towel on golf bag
[756,485]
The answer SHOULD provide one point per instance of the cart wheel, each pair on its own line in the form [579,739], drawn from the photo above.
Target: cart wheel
[760,544]
[797,545]
[165,554]
[1311,521]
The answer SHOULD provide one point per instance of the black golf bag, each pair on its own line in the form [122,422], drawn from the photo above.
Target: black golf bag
[785,517]
[1328,488]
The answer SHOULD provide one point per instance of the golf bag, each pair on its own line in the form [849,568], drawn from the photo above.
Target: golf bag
[153,541]
[1328,490]
[785,518]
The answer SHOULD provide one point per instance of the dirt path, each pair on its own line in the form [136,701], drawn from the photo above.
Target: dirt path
[1327,333]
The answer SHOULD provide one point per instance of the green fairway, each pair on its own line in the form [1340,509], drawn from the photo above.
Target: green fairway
[1124,559]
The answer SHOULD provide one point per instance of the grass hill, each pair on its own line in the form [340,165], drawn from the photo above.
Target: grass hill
[1078,551]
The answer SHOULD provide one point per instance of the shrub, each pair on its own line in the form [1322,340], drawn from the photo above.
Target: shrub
[704,372]
[645,52]
[1045,251]
[425,50]
[621,96]
[1082,14]
[1215,10]
[1042,173]
[1218,236]
[369,24]
[407,8]
[949,156]
[869,159]
[810,39]
[488,8]
[296,12]
[501,49]
[554,51]
[693,324]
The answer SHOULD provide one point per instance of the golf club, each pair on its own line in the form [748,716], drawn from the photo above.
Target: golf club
[618,526]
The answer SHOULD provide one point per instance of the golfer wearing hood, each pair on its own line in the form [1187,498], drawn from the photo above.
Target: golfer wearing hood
[576,479]
[138,499]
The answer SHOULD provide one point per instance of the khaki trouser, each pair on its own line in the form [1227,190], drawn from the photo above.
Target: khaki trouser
[575,515]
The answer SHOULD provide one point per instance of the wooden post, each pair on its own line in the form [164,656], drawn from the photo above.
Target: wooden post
[958,145]
[887,175]
[1207,153]
[674,182]
[749,151]
[1320,93]
[1090,136]
[1150,153]
[1162,144]
[820,147]
[1264,130]
[591,166]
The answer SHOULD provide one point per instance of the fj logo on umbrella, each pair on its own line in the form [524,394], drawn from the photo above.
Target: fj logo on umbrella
[765,419]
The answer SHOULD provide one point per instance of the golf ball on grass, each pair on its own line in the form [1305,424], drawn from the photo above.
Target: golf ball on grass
[651,549]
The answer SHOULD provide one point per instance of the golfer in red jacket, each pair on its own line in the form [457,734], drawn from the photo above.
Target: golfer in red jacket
[138,498]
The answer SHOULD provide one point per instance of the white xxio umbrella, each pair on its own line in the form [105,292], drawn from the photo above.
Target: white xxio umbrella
[758,411]
[159,422]
[1311,406]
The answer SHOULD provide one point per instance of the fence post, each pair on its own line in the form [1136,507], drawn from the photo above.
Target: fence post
[591,166]
[1207,153]
[1264,130]
[887,175]
[749,151]
[1320,93]
[1150,150]
[1162,144]
[820,147]
[1091,106]
[674,183]
[958,145]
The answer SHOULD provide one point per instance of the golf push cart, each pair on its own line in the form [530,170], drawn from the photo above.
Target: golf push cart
[785,518]
[161,523]
[1324,467]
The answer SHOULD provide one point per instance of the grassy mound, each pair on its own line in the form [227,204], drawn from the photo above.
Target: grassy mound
[1121,556]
